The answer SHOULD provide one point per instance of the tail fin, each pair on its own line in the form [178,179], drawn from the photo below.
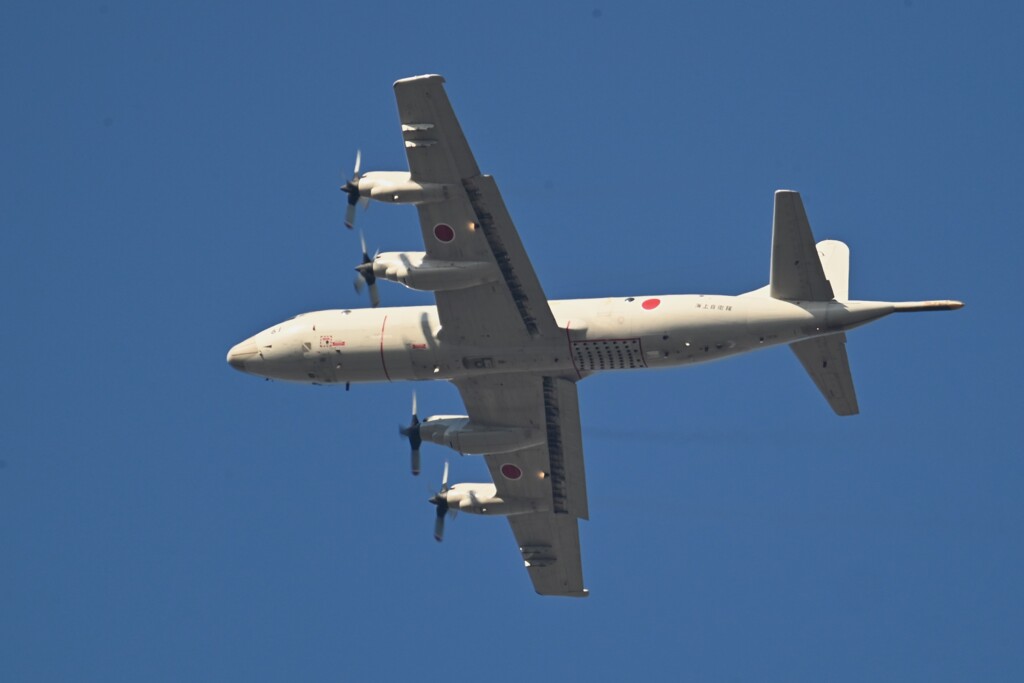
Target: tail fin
[835,264]
[796,275]
[796,272]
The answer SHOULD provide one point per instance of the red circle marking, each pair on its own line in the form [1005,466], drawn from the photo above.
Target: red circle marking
[651,304]
[444,232]
[510,471]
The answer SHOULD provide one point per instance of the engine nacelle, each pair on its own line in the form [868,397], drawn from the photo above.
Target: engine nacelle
[482,499]
[460,434]
[397,187]
[414,270]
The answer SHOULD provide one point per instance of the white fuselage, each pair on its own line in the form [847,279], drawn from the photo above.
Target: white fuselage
[393,344]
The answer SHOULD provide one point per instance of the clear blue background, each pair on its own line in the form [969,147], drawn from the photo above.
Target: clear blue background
[168,186]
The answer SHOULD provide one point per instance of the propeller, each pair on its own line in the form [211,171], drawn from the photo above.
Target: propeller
[351,188]
[365,276]
[412,432]
[440,499]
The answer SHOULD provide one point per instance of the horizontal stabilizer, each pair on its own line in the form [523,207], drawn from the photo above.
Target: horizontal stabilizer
[796,272]
[826,362]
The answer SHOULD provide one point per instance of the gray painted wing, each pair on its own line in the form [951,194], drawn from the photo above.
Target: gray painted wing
[430,128]
[826,362]
[796,272]
[552,473]
[512,309]
[550,545]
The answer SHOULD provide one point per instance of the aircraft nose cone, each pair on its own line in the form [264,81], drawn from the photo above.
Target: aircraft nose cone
[240,353]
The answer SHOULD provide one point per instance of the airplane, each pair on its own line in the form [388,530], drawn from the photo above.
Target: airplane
[516,357]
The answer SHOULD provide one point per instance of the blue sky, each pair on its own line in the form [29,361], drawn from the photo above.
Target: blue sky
[168,186]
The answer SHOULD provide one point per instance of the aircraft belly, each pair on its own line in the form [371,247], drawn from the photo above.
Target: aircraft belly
[771,322]
[381,345]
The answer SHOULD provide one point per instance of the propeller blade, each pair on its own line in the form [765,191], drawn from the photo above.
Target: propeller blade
[441,501]
[412,433]
[439,524]
[366,275]
[359,283]
[352,189]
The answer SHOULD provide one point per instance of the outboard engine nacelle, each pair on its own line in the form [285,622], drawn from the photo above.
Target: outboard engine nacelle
[397,187]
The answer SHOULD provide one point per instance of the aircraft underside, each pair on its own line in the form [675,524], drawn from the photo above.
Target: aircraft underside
[516,357]
[628,333]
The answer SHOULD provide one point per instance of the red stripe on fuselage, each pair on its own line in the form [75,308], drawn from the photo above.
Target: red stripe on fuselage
[572,355]
[382,363]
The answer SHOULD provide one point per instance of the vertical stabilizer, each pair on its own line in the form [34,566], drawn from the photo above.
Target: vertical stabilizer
[796,273]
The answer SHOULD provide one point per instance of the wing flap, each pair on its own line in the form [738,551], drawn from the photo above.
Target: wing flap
[565,448]
[507,250]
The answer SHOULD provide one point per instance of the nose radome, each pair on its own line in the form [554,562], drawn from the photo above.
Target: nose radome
[242,352]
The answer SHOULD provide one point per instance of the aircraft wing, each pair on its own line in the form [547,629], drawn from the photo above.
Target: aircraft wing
[552,473]
[469,225]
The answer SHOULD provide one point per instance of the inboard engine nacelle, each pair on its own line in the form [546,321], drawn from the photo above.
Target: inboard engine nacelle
[414,270]
[397,187]
[460,434]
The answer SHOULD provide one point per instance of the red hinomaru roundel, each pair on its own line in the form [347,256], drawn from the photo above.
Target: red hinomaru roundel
[443,232]
[510,471]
